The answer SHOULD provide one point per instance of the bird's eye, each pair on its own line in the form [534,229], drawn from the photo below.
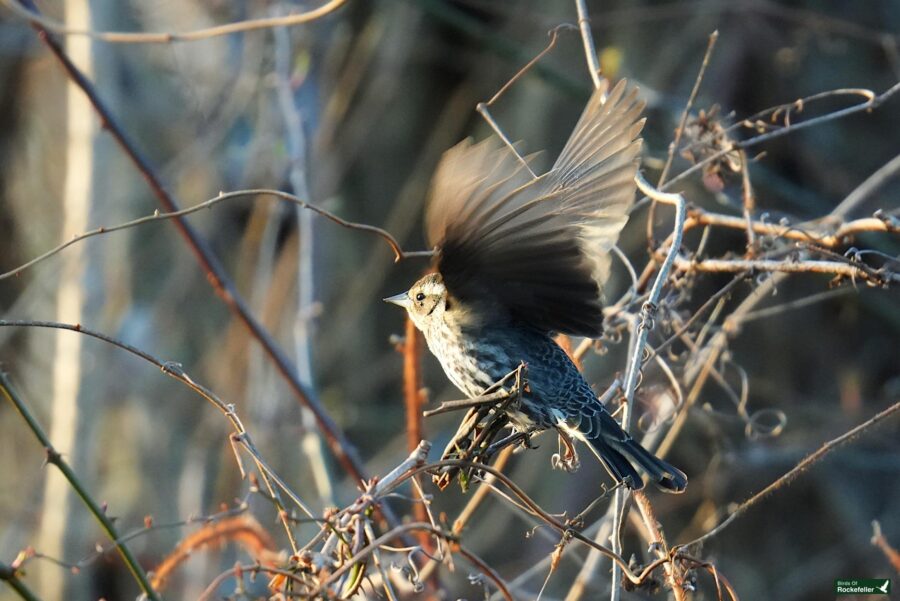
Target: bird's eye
[420,297]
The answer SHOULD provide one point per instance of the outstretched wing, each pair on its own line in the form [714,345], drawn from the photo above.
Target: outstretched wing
[538,248]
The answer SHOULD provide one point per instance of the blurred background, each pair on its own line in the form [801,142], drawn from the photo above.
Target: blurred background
[353,112]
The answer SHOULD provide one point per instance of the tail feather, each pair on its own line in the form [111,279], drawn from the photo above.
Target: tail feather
[667,477]
[620,457]
[617,464]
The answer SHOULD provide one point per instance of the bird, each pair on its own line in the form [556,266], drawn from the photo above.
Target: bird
[522,257]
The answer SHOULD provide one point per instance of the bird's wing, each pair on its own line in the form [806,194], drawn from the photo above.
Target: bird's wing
[538,248]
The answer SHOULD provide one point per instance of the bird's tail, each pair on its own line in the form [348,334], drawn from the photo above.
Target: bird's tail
[621,456]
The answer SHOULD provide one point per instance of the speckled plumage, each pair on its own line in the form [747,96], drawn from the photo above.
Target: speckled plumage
[522,257]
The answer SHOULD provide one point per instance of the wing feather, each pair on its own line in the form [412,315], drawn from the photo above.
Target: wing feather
[537,249]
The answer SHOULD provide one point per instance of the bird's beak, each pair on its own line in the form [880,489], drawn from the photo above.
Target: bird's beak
[401,299]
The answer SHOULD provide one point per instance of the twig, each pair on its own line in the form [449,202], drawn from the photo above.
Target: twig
[532,507]
[659,541]
[852,271]
[239,570]
[412,384]
[413,527]
[870,104]
[216,275]
[174,370]
[641,332]
[55,459]
[748,202]
[295,141]
[413,401]
[119,37]
[472,505]
[478,401]
[796,304]
[719,578]
[399,253]
[486,417]
[679,131]
[823,237]
[10,576]
[872,183]
[798,469]
[712,300]
[648,310]
[242,529]
[587,40]
[482,107]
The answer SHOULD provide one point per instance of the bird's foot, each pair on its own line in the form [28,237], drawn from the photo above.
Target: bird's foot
[567,458]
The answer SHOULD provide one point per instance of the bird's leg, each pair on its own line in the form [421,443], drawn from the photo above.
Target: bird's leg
[459,446]
[567,460]
[486,417]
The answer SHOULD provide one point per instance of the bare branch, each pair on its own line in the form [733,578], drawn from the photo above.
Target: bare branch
[216,275]
[878,277]
[872,102]
[798,469]
[55,459]
[587,39]
[31,15]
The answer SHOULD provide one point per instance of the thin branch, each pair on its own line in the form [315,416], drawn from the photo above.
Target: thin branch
[54,458]
[872,183]
[532,507]
[870,104]
[413,527]
[640,334]
[493,393]
[399,253]
[482,107]
[239,570]
[413,401]
[587,40]
[174,370]
[216,275]
[478,401]
[679,132]
[120,37]
[853,271]
[708,304]
[648,310]
[10,576]
[798,469]
[659,541]
[796,304]
[829,237]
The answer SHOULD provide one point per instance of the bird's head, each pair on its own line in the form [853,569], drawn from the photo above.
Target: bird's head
[426,301]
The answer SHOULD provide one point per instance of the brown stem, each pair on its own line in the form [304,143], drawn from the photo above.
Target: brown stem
[216,275]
